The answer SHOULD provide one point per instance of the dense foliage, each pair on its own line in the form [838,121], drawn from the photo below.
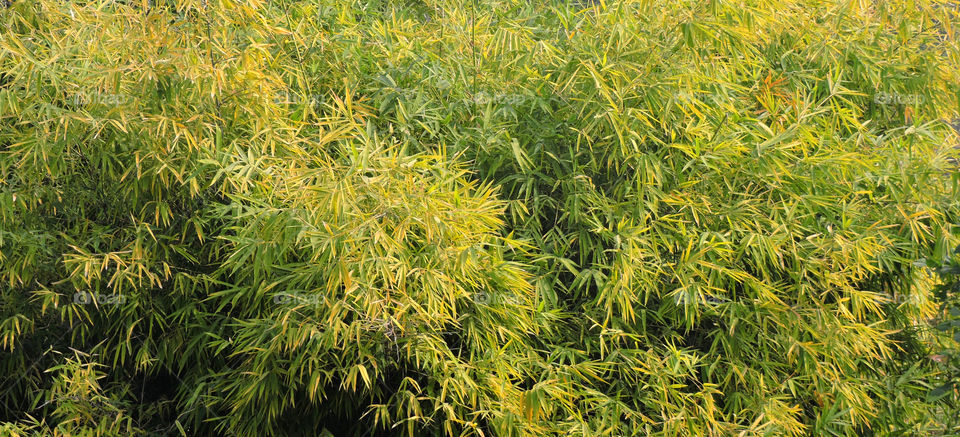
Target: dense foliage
[947,322]
[476,218]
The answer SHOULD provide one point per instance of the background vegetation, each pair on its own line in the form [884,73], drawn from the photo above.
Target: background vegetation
[477,218]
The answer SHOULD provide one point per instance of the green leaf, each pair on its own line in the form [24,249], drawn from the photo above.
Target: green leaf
[939,392]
